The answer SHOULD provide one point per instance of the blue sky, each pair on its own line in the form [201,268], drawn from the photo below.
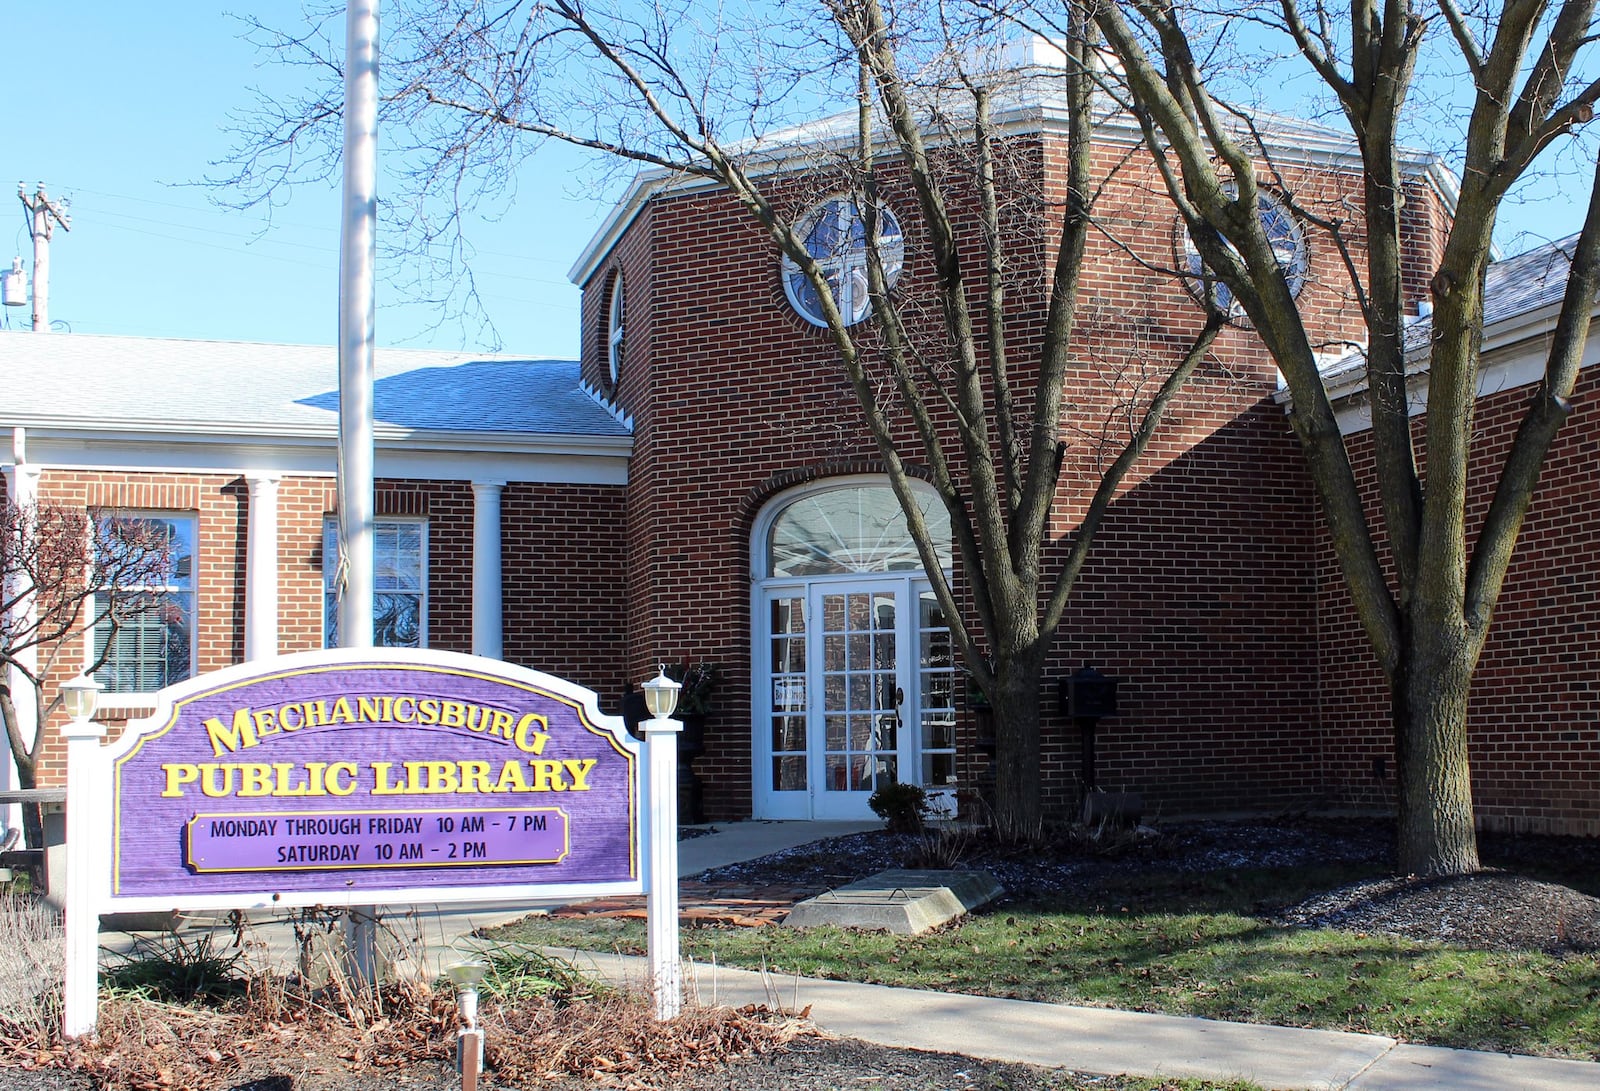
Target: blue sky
[119,105]
[122,107]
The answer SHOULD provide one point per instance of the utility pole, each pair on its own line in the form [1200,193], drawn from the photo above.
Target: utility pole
[44,215]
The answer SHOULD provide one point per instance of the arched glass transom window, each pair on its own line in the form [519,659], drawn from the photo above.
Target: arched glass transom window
[853,529]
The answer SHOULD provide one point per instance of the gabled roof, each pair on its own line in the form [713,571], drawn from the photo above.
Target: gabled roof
[136,384]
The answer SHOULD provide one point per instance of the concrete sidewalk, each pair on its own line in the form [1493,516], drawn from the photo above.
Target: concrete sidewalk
[1109,1042]
[735,842]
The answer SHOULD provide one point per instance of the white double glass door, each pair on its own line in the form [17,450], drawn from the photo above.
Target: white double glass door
[854,690]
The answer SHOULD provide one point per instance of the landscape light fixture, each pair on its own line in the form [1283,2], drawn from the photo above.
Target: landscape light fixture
[661,695]
[81,696]
[466,976]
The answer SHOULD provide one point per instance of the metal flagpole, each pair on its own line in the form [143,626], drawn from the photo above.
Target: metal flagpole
[357,258]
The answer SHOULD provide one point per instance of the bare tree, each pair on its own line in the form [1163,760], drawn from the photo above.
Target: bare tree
[1427,620]
[65,573]
[948,390]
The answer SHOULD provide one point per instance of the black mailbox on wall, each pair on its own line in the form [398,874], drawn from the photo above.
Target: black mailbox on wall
[1088,694]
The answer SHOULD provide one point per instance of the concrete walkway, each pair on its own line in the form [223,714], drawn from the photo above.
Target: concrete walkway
[1096,1040]
[1109,1042]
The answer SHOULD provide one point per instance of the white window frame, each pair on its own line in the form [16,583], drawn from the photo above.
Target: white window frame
[846,267]
[330,555]
[615,329]
[767,802]
[139,698]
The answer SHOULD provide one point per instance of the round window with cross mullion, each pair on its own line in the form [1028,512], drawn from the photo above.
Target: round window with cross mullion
[1283,234]
[835,234]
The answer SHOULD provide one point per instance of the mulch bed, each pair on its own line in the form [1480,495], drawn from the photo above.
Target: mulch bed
[1496,909]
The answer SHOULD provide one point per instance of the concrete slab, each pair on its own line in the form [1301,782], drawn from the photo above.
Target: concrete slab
[903,901]
[1428,1068]
[1094,1040]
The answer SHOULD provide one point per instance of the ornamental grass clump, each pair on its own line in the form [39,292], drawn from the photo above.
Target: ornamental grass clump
[31,956]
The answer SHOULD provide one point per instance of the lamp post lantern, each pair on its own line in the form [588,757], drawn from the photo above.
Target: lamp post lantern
[661,694]
[661,762]
[80,697]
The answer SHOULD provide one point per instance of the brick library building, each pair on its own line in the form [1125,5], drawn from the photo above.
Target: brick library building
[700,488]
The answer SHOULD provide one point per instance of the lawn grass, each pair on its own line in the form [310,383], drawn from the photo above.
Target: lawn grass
[1183,944]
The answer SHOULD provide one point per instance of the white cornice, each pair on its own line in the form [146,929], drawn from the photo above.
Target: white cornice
[247,434]
[1515,351]
[799,144]
[426,457]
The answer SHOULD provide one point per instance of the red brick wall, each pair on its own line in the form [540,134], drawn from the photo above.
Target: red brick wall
[1535,703]
[1201,594]
[562,566]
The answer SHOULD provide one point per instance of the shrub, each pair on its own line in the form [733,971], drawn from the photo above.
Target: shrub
[168,966]
[902,806]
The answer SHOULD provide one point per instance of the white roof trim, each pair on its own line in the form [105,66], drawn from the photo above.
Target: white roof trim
[52,450]
[1515,352]
[783,148]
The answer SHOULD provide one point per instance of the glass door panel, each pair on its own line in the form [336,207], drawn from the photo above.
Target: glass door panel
[787,718]
[859,692]
[936,705]
[859,675]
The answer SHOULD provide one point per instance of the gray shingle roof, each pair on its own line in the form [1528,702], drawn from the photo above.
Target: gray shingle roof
[1512,286]
[1528,281]
[176,385]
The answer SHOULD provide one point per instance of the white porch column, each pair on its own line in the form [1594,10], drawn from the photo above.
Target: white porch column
[22,489]
[488,617]
[261,568]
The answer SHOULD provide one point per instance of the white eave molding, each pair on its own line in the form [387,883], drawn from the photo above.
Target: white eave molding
[400,453]
[782,149]
[1514,355]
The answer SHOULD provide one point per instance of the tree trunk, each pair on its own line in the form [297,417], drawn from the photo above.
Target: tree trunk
[1018,806]
[1429,706]
[32,813]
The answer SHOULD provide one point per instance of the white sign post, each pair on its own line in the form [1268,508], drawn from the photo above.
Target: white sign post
[661,903]
[88,812]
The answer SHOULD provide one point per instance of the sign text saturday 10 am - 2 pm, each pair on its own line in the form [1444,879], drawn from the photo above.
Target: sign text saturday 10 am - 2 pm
[386,773]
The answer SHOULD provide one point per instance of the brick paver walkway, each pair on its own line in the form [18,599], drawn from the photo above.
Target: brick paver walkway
[700,903]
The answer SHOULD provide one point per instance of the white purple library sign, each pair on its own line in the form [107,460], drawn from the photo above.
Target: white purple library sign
[352,777]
